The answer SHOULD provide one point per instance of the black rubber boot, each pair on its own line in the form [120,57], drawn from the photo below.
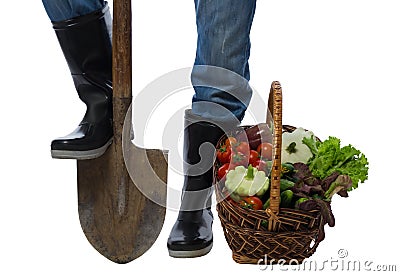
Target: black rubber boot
[86,44]
[191,236]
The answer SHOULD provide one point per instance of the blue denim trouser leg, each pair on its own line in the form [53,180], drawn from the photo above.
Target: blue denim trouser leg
[223,28]
[59,10]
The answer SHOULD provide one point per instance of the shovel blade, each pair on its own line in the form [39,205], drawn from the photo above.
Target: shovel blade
[119,218]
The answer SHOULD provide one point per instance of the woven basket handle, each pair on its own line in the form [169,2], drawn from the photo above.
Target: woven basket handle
[275,106]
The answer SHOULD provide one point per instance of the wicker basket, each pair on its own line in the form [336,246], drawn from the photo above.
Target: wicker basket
[275,233]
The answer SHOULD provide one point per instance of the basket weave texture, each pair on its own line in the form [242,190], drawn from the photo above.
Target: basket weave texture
[276,233]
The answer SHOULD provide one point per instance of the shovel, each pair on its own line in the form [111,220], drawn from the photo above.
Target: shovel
[122,194]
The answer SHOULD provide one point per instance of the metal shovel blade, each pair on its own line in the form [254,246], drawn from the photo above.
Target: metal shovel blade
[122,210]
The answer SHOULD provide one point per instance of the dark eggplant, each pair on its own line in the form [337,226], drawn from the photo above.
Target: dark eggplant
[258,134]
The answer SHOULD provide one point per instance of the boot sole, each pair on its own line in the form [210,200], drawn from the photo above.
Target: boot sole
[190,254]
[80,155]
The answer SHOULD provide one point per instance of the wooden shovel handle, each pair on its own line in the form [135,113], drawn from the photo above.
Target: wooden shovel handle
[122,49]
[275,106]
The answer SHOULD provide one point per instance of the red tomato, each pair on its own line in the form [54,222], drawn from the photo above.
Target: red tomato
[260,165]
[265,150]
[253,157]
[253,202]
[239,159]
[230,141]
[243,147]
[224,155]
[223,170]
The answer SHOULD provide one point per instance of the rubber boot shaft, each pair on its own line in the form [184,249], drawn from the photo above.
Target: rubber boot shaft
[191,236]
[87,46]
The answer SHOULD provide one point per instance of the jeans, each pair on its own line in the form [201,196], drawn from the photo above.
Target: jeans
[223,28]
[221,72]
[59,10]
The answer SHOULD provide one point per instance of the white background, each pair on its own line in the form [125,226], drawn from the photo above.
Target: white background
[338,62]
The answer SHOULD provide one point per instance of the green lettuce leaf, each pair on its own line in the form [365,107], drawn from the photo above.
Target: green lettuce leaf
[329,157]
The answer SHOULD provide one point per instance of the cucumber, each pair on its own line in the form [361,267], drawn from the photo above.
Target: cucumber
[287,168]
[266,204]
[286,199]
[299,201]
[264,224]
[286,184]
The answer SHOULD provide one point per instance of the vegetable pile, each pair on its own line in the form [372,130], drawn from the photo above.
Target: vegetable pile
[313,171]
